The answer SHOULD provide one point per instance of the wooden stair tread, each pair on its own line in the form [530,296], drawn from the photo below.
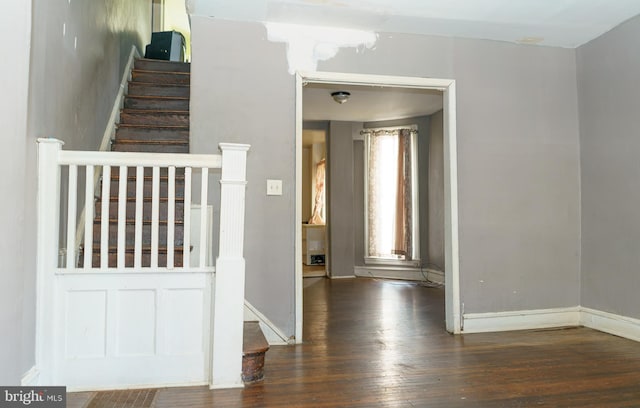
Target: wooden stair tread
[159,61]
[149,71]
[162,97]
[151,127]
[254,348]
[151,142]
[160,84]
[155,127]
[253,339]
[153,111]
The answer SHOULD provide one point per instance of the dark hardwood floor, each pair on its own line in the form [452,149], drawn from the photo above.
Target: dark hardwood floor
[379,343]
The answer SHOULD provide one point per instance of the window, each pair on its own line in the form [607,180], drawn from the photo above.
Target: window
[391,196]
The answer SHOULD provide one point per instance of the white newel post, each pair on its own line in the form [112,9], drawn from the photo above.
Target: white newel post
[228,318]
[48,205]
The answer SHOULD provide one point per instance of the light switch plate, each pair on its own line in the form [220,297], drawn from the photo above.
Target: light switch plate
[274,187]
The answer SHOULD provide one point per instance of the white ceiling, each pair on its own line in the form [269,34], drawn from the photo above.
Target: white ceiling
[368,103]
[560,23]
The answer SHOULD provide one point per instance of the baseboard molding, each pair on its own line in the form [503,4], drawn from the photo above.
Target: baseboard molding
[30,378]
[403,273]
[434,276]
[274,336]
[225,386]
[627,327]
[343,277]
[521,320]
[99,388]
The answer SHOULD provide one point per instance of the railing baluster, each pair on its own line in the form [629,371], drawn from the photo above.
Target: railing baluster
[89,205]
[137,255]
[171,212]
[186,240]
[109,239]
[104,217]
[203,216]
[155,209]
[71,216]
[122,215]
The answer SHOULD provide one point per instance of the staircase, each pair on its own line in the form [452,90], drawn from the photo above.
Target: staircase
[155,119]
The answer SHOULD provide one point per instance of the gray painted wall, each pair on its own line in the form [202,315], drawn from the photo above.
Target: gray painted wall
[609,96]
[52,88]
[518,156]
[75,77]
[340,196]
[241,92]
[518,162]
[17,301]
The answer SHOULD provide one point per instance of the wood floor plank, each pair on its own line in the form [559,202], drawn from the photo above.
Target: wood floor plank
[378,343]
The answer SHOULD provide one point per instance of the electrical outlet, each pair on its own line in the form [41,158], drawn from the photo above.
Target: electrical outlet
[274,187]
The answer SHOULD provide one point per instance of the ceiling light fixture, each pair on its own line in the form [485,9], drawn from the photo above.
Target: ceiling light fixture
[340,96]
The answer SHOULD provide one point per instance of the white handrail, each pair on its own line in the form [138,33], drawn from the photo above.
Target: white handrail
[130,159]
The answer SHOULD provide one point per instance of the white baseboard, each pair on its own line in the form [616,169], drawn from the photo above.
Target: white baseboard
[273,335]
[434,276]
[404,273]
[30,378]
[343,277]
[225,386]
[521,320]
[622,326]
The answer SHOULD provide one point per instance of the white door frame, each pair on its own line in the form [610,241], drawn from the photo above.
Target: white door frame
[452,262]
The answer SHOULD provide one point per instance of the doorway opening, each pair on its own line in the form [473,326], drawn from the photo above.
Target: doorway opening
[314,203]
[171,15]
[333,81]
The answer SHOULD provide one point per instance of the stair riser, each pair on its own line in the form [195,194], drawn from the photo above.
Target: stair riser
[155,118]
[165,66]
[253,367]
[139,89]
[146,235]
[149,148]
[157,104]
[146,210]
[141,133]
[155,77]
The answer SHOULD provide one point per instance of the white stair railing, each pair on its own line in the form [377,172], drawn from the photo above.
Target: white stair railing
[228,301]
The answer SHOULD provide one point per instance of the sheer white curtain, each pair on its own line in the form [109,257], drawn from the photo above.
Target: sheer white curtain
[318,205]
[390,195]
